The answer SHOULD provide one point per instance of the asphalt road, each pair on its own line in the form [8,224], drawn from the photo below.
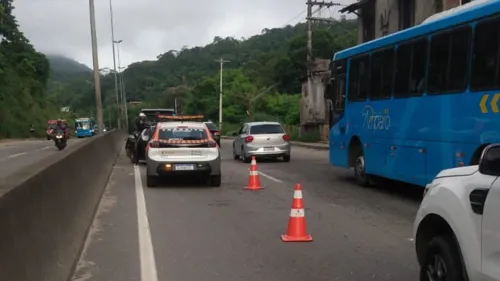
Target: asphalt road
[185,232]
[18,154]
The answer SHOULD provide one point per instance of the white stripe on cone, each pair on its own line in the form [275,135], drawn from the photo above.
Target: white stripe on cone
[297,213]
[297,194]
[254,173]
[253,162]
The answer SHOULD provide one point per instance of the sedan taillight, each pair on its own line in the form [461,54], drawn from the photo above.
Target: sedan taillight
[154,144]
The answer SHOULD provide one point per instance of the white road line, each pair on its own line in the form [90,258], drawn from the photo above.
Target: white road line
[270,177]
[147,256]
[16,155]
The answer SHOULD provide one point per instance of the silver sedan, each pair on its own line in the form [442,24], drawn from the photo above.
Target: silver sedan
[261,139]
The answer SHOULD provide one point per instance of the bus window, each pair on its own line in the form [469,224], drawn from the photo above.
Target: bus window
[459,61]
[485,65]
[438,64]
[339,92]
[411,62]
[381,66]
[403,70]
[359,78]
[449,61]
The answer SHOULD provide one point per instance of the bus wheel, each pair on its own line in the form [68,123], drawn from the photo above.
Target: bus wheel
[359,171]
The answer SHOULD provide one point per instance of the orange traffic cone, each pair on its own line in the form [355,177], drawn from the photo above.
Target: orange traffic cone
[297,230]
[253,177]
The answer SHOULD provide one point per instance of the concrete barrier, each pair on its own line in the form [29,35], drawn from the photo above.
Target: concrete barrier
[46,209]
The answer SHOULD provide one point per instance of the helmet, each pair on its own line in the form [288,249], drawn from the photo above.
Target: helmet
[142,115]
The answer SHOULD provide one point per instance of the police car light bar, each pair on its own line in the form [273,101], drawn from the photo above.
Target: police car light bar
[180,117]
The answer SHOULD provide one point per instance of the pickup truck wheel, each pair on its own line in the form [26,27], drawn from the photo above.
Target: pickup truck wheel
[442,261]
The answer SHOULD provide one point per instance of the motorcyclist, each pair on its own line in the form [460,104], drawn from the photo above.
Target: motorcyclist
[140,123]
[61,126]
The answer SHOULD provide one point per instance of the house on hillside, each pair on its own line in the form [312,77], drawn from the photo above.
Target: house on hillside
[377,18]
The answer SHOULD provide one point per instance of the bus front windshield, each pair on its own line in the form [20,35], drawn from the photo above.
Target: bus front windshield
[83,125]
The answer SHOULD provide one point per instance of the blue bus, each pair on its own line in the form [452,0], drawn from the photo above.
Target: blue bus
[410,104]
[84,127]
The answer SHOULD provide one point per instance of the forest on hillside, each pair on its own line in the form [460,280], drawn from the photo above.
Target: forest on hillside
[262,79]
[24,75]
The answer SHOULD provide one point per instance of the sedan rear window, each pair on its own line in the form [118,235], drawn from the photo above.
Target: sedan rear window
[182,133]
[266,129]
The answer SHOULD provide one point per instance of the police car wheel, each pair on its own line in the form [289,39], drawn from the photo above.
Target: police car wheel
[215,181]
[151,181]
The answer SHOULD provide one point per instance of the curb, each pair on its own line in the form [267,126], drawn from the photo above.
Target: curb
[295,143]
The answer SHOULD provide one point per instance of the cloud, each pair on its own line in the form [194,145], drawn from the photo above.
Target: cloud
[147,27]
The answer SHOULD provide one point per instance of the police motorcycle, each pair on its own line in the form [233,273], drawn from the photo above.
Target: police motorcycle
[60,140]
[135,146]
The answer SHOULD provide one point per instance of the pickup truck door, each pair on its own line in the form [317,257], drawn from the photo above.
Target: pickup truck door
[490,263]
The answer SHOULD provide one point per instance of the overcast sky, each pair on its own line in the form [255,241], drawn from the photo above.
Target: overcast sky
[149,27]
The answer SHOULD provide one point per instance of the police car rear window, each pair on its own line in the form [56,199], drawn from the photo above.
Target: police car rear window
[211,126]
[182,133]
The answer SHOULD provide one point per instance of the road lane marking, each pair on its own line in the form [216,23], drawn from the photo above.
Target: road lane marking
[147,257]
[16,155]
[270,177]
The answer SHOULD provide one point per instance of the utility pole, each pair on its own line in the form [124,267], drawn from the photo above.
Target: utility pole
[221,61]
[114,63]
[310,19]
[95,58]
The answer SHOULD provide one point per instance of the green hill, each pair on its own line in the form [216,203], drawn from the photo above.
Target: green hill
[274,59]
[63,68]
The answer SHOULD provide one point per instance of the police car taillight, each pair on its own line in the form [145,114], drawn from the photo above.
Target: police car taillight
[212,144]
[154,144]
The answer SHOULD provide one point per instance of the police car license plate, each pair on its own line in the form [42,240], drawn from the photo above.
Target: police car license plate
[268,148]
[184,167]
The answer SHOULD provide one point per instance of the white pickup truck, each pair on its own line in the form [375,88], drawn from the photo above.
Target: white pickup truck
[457,227]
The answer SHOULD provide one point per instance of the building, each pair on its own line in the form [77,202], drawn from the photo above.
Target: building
[377,18]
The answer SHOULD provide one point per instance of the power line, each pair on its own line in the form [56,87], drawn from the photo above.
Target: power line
[295,17]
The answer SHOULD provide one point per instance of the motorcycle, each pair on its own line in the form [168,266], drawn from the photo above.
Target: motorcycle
[60,140]
[135,146]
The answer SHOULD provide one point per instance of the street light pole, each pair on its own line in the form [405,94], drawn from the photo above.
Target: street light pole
[95,58]
[122,84]
[221,61]
[124,98]
[114,62]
